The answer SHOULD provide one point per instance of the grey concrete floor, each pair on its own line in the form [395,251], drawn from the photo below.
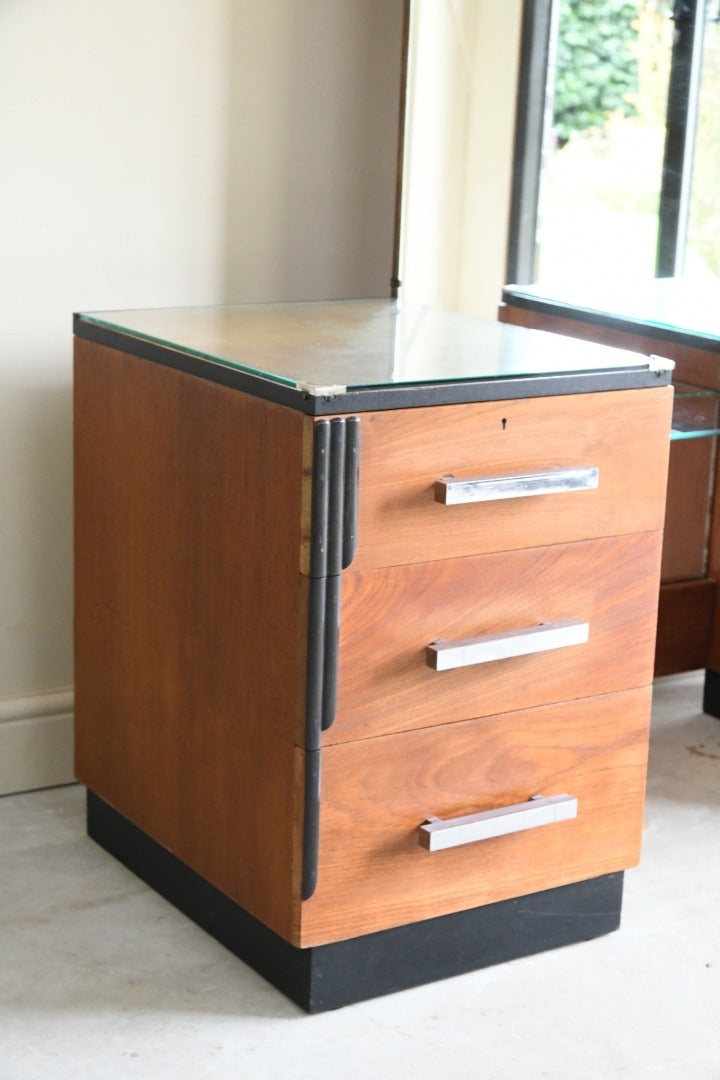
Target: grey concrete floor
[102,980]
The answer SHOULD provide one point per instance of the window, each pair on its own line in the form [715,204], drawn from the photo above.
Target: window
[617,141]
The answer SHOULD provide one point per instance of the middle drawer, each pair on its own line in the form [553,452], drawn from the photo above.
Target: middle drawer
[388,618]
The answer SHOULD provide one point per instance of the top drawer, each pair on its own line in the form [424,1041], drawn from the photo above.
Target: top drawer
[622,434]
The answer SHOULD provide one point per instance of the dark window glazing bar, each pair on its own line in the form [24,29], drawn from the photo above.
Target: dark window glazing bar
[529,129]
[683,96]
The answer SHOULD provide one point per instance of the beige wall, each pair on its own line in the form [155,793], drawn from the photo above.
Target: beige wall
[462,84]
[160,152]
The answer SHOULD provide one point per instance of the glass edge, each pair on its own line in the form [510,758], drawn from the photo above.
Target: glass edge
[234,365]
[636,321]
[320,389]
[677,435]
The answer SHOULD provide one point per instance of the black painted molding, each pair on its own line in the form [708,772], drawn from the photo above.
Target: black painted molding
[333,540]
[311,823]
[352,479]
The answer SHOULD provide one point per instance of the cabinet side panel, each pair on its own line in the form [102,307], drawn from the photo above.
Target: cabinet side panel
[189,618]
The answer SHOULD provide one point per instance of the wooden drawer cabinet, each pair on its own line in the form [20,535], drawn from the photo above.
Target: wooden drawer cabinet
[292,655]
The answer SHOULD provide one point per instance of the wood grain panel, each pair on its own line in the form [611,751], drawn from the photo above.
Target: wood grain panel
[686,616]
[389,616]
[403,453]
[372,872]
[190,626]
[699,367]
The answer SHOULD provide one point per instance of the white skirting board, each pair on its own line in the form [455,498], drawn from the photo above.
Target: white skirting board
[36,741]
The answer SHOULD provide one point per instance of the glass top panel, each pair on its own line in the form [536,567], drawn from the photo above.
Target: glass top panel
[668,303]
[362,344]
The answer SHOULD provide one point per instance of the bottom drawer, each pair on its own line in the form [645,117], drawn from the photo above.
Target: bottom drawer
[373,872]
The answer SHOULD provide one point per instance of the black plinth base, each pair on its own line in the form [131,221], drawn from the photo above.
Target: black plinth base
[711,693]
[328,976]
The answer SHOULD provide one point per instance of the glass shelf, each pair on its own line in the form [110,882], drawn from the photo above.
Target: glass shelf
[696,413]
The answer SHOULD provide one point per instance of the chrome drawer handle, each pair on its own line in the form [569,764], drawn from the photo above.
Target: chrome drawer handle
[452,491]
[446,655]
[436,834]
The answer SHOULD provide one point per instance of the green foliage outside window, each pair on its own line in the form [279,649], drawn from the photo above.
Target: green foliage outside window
[597,72]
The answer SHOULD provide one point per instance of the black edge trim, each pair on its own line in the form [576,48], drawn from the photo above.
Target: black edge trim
[416,397]
[317,614]
[352,475]
[330,659]
[623,323]
[320,499]
[198,366]
[367,400]
[323,484]
[336,512]
[336,500]
[311,823]
[329,976]
[317,585]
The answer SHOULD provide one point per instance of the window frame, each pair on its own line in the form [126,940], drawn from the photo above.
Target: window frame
[536,49]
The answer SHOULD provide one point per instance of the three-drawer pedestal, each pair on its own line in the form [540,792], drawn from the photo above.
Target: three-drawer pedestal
[365,616]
